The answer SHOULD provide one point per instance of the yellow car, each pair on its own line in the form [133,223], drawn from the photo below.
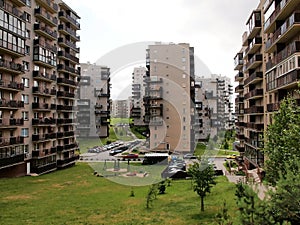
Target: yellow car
[233,156]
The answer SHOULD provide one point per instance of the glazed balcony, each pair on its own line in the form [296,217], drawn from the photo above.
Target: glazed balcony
[13,10]
[67,56]
[43,91]
[48,5]
[44,44]
[67,18]
[12,49]
[254,78]
[11,104]
[11,85]
[289,29]
[255,110]
[254,61]
[11,67]
[10,161]
[46,17]
[67,44]
[11,141]
[44,61]
[67,82]
[254,45]
[10,123]
[282,10]
[45,31]
[286,81]
[67,69]
[238,61]
[47,121]
[65,94]
[254,94]
[254,24]
[239,77]
[44,76]
[63,29]
[43,137]
[272,107]
[66,162]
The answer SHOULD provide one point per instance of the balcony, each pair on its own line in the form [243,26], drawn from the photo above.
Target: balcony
[67,162]
[254,24]
[102,112]
[239,100]
[11,86]
[67,82]
[240,136]
[11,67]
[43,137]
[68,31]
[254,94]
[289,29]
[43,76]
[254,61]
[12,49]
[255,110]
[67,147]
[67,56]
[61,122]
[11,141]
[240,124]
[67,44]
[254,46]
[66,108]
[239,88]
[10,161]
[65,94]
[67,69]
[47,121]
[105,75]
[45,168]
[238,61]
[156,121]
[44,61]
[44,16]
[45,31]
[44,44]
[11,123]
[153,80]
[256,126]
[254,78]
[254,143]
[42,154]
[66,18]
[286,81]
[43,92]
[272,107]
[11,104]
[19,3]
[282,10]
[41,106]
[48,5]
[240,148]
[239,77]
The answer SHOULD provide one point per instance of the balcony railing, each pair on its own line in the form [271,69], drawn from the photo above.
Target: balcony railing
[11,85]
[43,121]
[239,88]
[41,91]
[255,143]
[66,81]
[69,18]
[43,137]
[7,122]
[254,93]
[45,16]
[45,45]
[68,56]
[65,108]
[11,141]
[11,66]
[49,5]
[44,76]
[68,161]
[39,169]
[43,30]
[69,31]
[4,162]
[239,76]
[273,107]
[238,61]
[253,77]
[254,61]
[67,43]
[290,78]
[254,109]
[255,126]
[11,104]
[65,94]
[254,45]
[68,69]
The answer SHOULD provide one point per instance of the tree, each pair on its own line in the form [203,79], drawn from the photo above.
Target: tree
[282,140]
[151,195]
[203,177]
[223,218]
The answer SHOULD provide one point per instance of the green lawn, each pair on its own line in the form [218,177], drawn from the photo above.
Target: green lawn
[76,196]
[202,150]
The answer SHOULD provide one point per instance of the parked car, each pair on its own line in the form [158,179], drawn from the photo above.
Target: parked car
[233,156]
[131,156]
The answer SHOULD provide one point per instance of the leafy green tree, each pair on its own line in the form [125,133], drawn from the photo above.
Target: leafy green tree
[151,195]
[283,140]
[203,177]
[223,218]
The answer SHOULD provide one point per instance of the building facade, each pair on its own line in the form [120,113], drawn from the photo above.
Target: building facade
[138,93]
[121,108]
[268,70]
[214,107]
[169,97]
[39,74]
[94,101]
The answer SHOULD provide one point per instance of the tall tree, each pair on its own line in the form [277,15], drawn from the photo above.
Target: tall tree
[283,140]
[203,177]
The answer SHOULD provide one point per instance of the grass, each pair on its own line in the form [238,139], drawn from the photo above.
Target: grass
[201,149]
[76,196]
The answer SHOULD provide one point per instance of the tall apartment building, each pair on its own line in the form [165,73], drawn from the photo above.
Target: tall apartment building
[213,106]
[38,80]
[121,108]
[169,97]
[93,101]
[138,93]
[268,70]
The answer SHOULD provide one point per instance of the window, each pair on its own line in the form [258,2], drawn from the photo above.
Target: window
[27,35]
[25,99]
[27,50]
[25,149]
[28,3]
[26,65]
[184,76]
[24,132]
[25,115]
[25,81]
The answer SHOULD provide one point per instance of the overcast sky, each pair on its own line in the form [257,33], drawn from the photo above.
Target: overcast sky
[213,27]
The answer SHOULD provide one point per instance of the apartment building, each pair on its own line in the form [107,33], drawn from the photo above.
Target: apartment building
[93,101]
[268,70]
[38,80]
[169,97]
[138,93]
[214,107]
[121,108]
